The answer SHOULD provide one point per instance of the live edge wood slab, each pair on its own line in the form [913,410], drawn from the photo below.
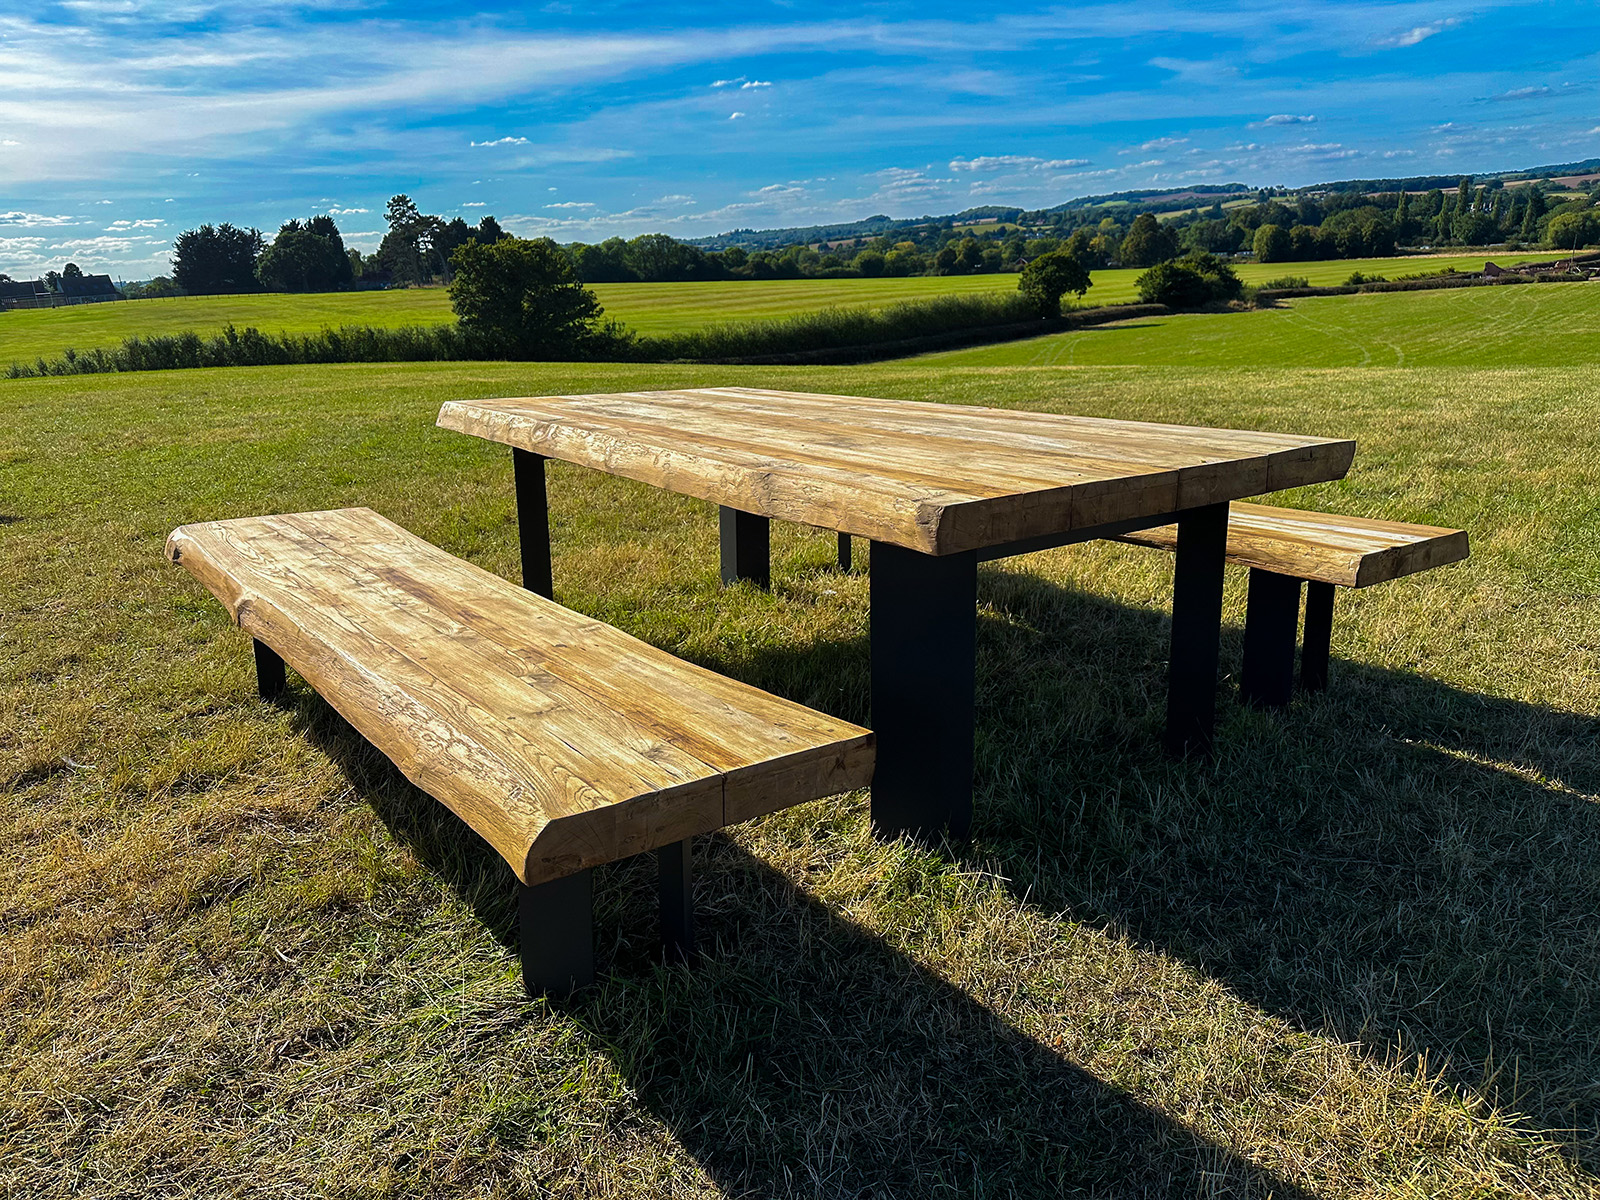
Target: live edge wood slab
[1353,552]
[937,478]
[564,742]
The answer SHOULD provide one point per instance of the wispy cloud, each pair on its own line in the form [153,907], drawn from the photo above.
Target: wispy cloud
[29,220]
[734,116]
[985,164]
[1415,34]
[1525,93]
[572,204]
[1283,119]
[505,141]
[755,83]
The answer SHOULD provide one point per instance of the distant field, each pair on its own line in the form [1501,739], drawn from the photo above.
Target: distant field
[647,307]
[1538,325]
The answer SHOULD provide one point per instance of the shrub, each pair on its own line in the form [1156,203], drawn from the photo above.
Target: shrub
[1285,281]
[1190,282]
[1049,277]
[1356,277]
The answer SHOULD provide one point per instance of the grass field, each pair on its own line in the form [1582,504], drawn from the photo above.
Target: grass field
[1541,325]
[648,307]
[1354,956]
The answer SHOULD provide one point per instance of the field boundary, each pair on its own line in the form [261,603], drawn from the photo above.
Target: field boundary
[953,340]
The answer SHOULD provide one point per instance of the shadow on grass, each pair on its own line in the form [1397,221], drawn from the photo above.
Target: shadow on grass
[803,1055]
[1400,863]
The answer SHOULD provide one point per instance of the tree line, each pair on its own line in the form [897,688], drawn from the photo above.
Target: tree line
[417,248]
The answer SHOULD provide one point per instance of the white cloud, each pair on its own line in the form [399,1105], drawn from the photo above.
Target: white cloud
[10,142]
[1163,143]
[468,204]
[149,223]
[722,83]
[756,83]
[734,116]
[343,212]
[505,141]
[1525,93]
[988,163]
[675,198]
[1324,150]
[1284,119]
[28,220]
[1417,33]
[571,204]
[1150,162]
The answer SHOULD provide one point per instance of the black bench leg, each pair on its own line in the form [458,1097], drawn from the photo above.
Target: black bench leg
[677,901]
[533,522]
[555,925]
[924,622]
[1272,617]
[1196,629]
[1318,637]
[844,553]
[745,548]
[270,681]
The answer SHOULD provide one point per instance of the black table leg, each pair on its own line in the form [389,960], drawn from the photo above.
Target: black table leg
[1318,638]
[1272,617]
[270,681]
[745,550]
[924,638]
[844,553]
[1196,629]
[556,935]
[675,864]
[533,522]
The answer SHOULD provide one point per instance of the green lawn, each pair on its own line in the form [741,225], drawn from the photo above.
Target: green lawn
[1354,956]
[647,307]
[1538,325]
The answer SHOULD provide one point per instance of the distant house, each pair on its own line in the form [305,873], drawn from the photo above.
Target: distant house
[36,293]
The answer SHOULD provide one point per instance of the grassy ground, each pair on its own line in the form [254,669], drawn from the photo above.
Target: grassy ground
[647,307]
[1540,325]
[1355,955]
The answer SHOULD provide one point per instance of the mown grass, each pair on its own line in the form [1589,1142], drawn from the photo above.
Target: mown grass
[648,308]
[1536,325]
[1356,955]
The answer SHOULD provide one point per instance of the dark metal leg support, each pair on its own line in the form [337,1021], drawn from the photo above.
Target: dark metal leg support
[556,931]
[270,681]
[533,522]
[1318,637]
[677,902]
[844,553]
[924,638]
[1272,618]
[745,550]
[1196,629]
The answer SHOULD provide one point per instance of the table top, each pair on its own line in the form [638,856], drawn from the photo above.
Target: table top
[938,478]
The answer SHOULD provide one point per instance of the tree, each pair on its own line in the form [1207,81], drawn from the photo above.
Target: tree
[1049,277]
[306,258]
[1532,213]
[71,271]
[1272,244]
[523,297]
[52,281]
[404,248]
[216,260]
[1189,282]
[1573,230]
[869,262]
[1148,242]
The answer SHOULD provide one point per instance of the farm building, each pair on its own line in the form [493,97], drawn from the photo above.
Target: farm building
[36,293]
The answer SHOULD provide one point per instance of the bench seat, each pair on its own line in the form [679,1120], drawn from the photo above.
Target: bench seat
[1284,547]
[564,742]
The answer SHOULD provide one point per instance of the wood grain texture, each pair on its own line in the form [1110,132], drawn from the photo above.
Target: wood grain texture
[564,742]
[1347,551]
[938,478]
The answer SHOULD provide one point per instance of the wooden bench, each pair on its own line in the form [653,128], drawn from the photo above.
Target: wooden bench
[564,742]
[1285,547]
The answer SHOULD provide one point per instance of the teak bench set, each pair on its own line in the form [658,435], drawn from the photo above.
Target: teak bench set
[567,744]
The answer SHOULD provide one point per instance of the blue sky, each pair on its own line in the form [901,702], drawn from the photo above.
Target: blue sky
[123,122]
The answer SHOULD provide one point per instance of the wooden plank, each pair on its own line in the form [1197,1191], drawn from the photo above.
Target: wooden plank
[1347,551]
[939,478]
[564,742]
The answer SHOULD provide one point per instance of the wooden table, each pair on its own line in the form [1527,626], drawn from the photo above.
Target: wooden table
[936,488]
